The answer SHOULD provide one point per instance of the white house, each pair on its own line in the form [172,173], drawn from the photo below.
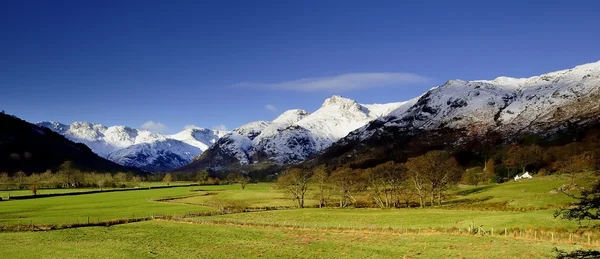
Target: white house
[526,175]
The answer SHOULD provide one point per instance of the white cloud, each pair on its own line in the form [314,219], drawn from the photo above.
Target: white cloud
[271,107]
[220,127]
[154,126]
[350,81]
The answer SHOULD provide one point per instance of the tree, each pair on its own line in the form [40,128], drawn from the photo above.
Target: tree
[120,179]
[136,180]
[346,181]
[33,188]
[242,178]
[295,181]
[20,179]
[70,175]
[417,174]
[472,176]
[489,172]
[167,179]
[385,182]
[320,177]
[433,172]
[518,157]
[202,176]
[4,180]
[587,208]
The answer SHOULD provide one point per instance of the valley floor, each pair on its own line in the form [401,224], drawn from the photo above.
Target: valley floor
[176,240]
[179,230]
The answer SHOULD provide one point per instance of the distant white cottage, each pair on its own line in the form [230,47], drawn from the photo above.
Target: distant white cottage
[526,175]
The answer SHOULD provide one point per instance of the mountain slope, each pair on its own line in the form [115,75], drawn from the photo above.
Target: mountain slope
[292,137]
[30,148]
[139,148]
[475,114]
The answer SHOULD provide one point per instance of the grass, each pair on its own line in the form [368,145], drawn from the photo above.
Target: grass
[525,194]
[276,233]
[157,239]
[399,219]
[99,206]
[254,195]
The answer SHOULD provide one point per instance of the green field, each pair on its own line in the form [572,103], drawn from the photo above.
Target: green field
[175,240]
[398,219]
[525,194]
[311,232]
[254,195]
[98,206]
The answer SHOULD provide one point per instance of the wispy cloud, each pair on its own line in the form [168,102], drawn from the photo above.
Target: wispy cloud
[271,107]
[351,81]
[154,126]
[220,127]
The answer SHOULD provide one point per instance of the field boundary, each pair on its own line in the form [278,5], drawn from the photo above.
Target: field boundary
[28,197]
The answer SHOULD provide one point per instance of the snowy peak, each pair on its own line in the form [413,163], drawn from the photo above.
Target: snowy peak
[339,102]
[54,126]
[291,116]
[294,135]
[252,129]
[139,148]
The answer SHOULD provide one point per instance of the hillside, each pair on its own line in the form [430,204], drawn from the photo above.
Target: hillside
[30,148]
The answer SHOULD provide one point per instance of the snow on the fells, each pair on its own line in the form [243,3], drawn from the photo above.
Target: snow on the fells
[139,148]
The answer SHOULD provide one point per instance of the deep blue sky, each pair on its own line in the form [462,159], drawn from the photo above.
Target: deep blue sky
[178,62]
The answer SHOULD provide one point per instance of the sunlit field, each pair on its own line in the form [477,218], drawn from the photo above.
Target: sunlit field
[184,227]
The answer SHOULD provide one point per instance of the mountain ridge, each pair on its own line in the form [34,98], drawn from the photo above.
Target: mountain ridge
[143,149]
[291,137]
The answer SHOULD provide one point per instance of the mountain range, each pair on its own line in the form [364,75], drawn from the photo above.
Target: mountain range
[478,115]
[290,138]
[149,151]
[467,115]
[458,114]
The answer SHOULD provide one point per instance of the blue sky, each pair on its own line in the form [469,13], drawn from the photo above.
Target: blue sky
[213,63]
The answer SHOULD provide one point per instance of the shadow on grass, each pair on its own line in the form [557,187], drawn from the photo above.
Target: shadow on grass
[468,201]
[475,190]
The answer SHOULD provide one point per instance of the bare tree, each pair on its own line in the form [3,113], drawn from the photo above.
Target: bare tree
[242,178]
[167,179]
[346,181]
[385,182]
[321,177]
[295,181]
[433,173]
[20,179]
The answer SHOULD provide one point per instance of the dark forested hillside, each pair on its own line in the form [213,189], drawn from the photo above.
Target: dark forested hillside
[29,148]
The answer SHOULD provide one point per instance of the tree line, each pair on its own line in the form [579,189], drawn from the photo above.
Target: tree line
[68,176]
[390,185]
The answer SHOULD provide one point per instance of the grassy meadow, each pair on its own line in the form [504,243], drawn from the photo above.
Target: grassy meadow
[311,232]
[159,239]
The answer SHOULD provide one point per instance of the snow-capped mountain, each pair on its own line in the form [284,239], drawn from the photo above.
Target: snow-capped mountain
[139,148]
[462,111]
[293,136]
